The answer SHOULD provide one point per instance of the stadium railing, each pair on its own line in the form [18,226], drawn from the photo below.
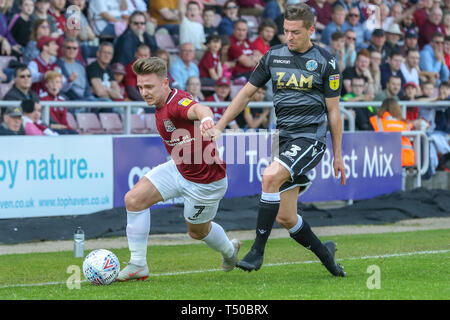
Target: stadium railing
[420,139]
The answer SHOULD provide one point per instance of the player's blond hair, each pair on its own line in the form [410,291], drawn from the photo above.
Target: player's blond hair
[150,65]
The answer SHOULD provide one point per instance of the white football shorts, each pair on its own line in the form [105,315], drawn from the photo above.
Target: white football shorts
[201,201]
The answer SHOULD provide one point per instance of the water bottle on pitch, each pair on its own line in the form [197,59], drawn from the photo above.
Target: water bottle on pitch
[78,243]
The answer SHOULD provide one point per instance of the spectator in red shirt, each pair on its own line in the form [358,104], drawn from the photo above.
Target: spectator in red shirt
[242,52]
[447,51]
[210,66]
[57,11]
[422,11]
[130,81]
[222,91]
[323,12]
[266,31]
[431,25]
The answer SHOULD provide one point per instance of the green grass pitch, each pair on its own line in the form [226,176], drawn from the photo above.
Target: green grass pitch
[404,265]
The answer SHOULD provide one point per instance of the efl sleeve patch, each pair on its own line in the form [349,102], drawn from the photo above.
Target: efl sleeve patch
[185,102]
[334,81]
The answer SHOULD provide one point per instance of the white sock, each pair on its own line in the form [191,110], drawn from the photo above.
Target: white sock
[297,226]
[138,227]
[218,240]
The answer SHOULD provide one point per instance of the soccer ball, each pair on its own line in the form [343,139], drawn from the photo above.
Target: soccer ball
[101,267]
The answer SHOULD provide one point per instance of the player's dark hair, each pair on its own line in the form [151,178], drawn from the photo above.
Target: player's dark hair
[152,65]
[300,12]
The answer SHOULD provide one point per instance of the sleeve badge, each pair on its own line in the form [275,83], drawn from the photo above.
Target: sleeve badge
[184,102]
[334,82]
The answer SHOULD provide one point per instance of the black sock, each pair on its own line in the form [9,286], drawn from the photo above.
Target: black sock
[267,214]
[309,240]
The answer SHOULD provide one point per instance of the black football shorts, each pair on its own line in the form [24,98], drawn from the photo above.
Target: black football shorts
[298,156]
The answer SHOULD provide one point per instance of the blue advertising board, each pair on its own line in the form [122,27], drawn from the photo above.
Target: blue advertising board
[372,161]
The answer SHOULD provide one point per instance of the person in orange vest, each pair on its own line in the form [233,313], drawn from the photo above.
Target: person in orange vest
[389,118]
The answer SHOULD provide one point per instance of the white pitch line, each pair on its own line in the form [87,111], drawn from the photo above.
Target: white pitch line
[392,255]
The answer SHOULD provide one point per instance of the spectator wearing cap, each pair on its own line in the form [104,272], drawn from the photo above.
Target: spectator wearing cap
[337,23]
[12,122]
[134,36]
[142,52]
[32,122]
[222,91]
[363,34]
[410,41]
[75,72]
[324,11]
[377,42]
[119,73]
[410,67]
[21,89]
[431,25]
[45,61]
[393,36]
[432,58]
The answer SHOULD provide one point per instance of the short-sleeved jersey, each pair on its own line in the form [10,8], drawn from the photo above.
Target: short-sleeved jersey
[194,157]
[301,82]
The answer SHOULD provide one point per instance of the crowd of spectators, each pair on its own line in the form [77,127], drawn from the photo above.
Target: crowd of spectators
[83,50]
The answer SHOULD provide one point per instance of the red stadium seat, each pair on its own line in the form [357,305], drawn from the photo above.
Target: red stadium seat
[89,123]
[137,124]
[72,122]
[111,122]
[164,41]
[150,122]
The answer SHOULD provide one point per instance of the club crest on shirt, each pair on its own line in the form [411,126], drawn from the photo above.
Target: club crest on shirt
[311,65]
[334,81]
[169,125]
[184,102]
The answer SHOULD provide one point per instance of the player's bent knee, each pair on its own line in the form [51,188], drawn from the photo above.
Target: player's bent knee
[284,221]
[132,203]
[196,235]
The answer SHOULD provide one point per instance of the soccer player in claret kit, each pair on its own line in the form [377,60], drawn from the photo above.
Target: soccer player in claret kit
[195,172]
[306,85]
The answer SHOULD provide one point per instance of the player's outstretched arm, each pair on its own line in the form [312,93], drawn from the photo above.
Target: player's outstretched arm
[206,117]
[334,119]
[237,105]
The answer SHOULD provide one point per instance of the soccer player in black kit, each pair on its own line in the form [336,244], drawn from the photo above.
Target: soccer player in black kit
[306,83]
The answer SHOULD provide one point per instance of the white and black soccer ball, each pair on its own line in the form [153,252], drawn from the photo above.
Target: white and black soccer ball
[101,267]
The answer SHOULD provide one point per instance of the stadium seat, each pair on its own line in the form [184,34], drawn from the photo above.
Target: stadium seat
[4,61]
[164,41]
[4,88]
[72,122]
[235,88]
[111,122]
[253,23]
[150,122]
[137,125]
[89,123]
